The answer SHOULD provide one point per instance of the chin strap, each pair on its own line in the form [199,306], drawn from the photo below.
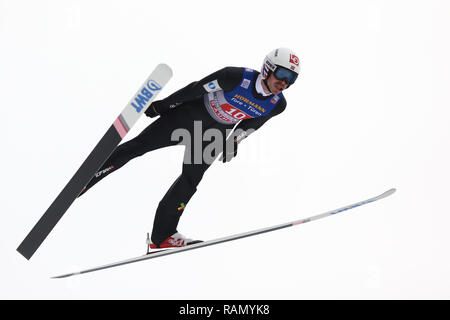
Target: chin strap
[267,86]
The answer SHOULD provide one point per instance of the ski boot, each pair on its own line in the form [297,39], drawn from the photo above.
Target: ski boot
[174,241]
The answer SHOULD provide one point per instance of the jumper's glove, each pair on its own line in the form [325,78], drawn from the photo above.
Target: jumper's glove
[158,108]
[152,109]
[228,154]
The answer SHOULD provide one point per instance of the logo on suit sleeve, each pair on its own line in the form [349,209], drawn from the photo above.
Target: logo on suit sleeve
[212,86]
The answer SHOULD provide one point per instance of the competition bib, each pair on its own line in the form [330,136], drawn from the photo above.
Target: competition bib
[239,104]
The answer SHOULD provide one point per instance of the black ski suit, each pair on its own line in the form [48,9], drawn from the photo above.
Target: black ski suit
[200,103]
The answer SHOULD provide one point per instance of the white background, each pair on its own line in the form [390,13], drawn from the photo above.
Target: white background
[370,111]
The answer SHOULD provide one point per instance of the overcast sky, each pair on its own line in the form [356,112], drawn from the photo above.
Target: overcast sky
[370,111]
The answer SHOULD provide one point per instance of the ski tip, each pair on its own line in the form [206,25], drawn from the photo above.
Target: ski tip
[385,194]
[61,276]
[64,275]
[164,67]
[389,192]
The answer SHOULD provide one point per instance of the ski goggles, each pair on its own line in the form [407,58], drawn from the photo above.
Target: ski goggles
[285,74]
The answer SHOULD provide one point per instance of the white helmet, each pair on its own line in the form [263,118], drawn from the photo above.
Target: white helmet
[284,58]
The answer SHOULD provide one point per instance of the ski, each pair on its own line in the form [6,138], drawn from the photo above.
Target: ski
[114,135]
[230,238]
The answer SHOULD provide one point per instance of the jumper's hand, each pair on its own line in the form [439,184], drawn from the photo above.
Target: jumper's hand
[151,110]
[160,107]
[229,154]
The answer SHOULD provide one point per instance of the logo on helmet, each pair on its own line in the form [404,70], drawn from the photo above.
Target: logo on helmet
[270,65]
[294,59]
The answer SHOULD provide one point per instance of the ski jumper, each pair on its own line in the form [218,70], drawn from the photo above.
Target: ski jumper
[219,101]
